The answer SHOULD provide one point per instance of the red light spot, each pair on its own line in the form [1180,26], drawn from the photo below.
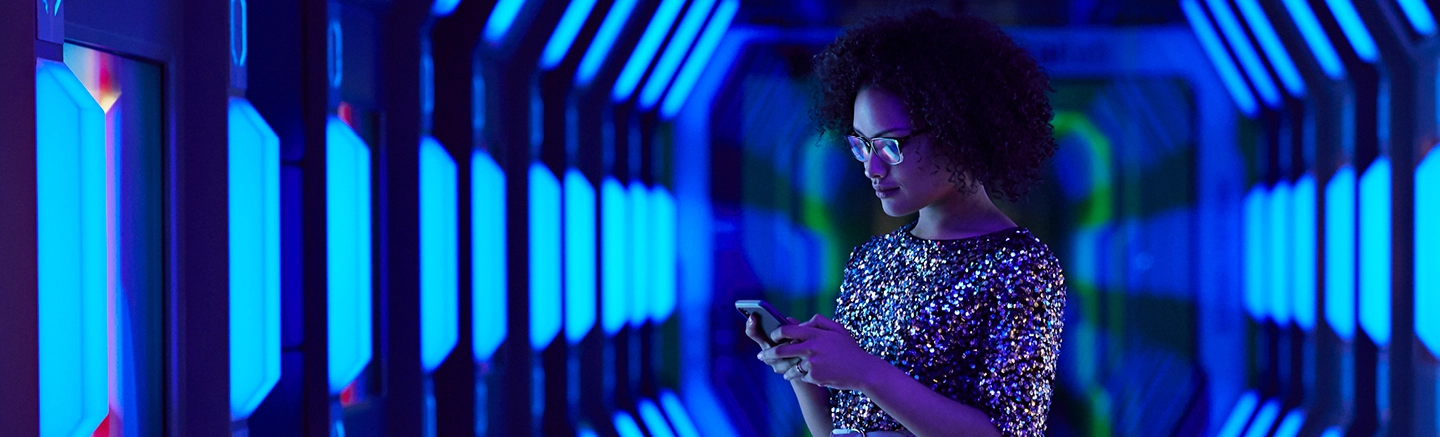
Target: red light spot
[346,114]
[347,395]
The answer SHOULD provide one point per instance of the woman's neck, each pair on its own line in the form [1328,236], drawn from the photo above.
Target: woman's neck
[961,216]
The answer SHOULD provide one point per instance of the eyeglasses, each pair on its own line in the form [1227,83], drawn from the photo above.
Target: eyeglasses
[889,147]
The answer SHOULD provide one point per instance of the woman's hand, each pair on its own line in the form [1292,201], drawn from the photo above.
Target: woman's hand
[752,330]
[829,355]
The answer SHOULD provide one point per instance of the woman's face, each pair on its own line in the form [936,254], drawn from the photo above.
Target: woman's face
[920,179]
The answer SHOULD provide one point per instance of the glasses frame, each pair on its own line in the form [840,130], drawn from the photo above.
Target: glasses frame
[869,143]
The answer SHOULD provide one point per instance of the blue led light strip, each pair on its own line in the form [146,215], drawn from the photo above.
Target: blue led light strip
[439,254]
[1375,251]
[1290,425]
[348,236]
[675,52]
[71,256]
[654,419]
[1279,217]
[443,8]
[1419,15]
[1427,252]
[626,426]
[1305,198]
[1235,423]
[604,40]
[1210,42]
[254,218]
[1274,49]
[1354,30]
[699,58]
[664,286]
[645,50]
[1315,38]
[545,303]
[1260,427]
[501,19]
[1340,252]
[641,253]
[1249,60]
[579,256]
[564,36]
[488,262]
[615,248]
[1255,261]
[684,427]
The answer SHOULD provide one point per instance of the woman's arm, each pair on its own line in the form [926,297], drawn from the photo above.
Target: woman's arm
[922,411]
[814,400]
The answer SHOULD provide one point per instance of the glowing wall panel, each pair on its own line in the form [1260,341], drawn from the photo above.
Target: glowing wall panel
[699,57]
[1427,252]
[439,254]
[1255,260]
[580,272]
[654,419]
[487,245]
[641,253]
[674,52]
[645,49]
[1375,251]
[1215,49]
[679,416]
[1235,422]
[254,189]
[545,303]
[1279,252]
[1340,252]
[348,236]
[615,252]
[70,166]
[664,258]
[1305,256]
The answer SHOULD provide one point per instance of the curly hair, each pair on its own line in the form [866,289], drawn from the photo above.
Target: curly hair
[983,97]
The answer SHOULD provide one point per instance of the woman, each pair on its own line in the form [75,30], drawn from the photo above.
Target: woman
[949,325]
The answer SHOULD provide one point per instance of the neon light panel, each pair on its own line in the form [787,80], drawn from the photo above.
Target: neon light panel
[684,427]
[70,212]
[1235,423]
[1260,427]
[487,248]
[1315,38]
[645,50]
[565,33]
[1274,49]
[1279,251]
[1354,29]
[501,19]
[626,426]
[1210,42]
[1249,60]
[254,188]
[347,211]
[604,40]
[1340,252]
[615,249]
[1255,260]
[641,253]
[1419,15]
[579,256]
[664,288]
[439,254]
[654,420]
[675,52]
[699,57]
[545,310]
[1304,254]
[1375,251]
[1290,426]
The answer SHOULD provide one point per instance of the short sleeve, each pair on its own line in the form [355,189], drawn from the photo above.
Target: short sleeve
[1023,340]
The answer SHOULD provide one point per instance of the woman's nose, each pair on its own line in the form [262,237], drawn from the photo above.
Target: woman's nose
[875,169]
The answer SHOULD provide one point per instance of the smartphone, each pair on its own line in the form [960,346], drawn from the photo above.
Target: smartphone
[770,319]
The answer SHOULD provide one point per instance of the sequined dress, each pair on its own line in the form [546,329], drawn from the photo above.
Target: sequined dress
[977,320]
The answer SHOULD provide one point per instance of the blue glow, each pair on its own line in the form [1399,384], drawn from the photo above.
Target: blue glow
[1279,251]
[641,253]
[664,288]
[1274,49]
[615,252]
[439,254]
[1235,424]
[71,255]
[1419,15]
[1229,74]
[654,420]
[626,426]
[348,265]
[443,8]
[1254,67]
[1333,431]
[684,427]
[545,309]
[1354,29]
[1315,37]
[1427,252]
[1340,252]
[1260,427]
[1290,426]
[699,58]
[675,52]
[645,50]
[1255,261]
[254,203]
[1305,249]
[501,19]
[604,40]
[239,32]
[579,256]
[565,32]
[1375,251]
[487,254]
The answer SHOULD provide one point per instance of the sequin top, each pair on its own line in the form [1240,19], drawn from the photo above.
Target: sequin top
[977,320]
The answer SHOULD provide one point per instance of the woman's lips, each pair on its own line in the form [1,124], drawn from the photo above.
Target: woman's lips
[884,192]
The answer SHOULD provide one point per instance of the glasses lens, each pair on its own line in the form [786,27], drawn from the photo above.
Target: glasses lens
[857,147]
[889,149]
